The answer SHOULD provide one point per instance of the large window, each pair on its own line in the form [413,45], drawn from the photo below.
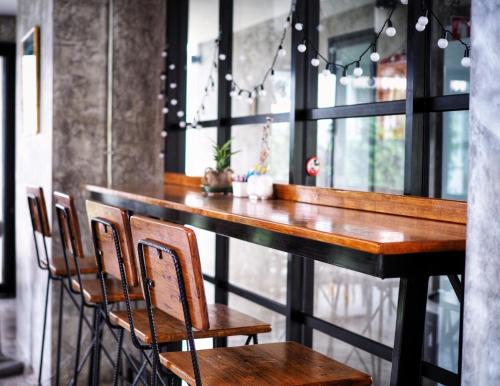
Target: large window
[407,112]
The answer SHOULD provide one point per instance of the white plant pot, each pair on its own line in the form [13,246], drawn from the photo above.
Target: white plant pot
[260,187]
[240,189]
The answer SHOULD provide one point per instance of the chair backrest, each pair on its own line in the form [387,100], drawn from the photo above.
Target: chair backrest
[38,210]
[105,243]
[71,227]
[160,268]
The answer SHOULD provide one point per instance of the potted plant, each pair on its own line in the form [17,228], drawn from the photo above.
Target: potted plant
[219,180]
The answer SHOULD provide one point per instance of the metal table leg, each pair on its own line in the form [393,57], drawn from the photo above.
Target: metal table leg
[410,324]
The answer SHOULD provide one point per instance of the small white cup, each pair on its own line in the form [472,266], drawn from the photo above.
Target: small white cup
[240,189]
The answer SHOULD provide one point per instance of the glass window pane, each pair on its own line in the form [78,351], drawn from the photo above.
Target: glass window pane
[360,303]
[203,29]
[364,154]
[277,321]
[199,153]
[258,269]
[247,141]
[442,325]
[454,78]
[346,29]
[206,248]
[455,174]
[379,369]
[258,27]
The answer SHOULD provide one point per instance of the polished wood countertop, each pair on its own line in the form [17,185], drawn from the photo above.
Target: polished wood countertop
[372,231]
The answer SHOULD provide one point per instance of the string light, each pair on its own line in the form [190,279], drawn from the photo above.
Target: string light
[262,92]
[171,67]
[164,134]
[182,124]
[222,57]
[358,71]
[390,31]
[404,2]
[302,47]
[228,77]
[374,56]
[164,110]
[173,86]
[180,113]
[299,26]
[443,42]
[173,102]
[315,62]
[344,80]
[281,51]
[326,71]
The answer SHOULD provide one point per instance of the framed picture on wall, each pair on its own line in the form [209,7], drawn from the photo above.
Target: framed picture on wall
[30,72]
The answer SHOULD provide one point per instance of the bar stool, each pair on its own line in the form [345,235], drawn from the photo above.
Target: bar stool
[56,268]
[91,291]
[173,283]
[224,321]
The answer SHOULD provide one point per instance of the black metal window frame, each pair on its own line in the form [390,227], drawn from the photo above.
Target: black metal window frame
[7,228]
[423,161]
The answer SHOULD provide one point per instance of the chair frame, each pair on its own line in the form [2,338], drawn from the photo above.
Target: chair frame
[94,222]
[34,202]
[99,313]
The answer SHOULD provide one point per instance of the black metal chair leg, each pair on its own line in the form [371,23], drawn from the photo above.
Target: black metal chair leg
[97,349]
[91,361]
[59,334]
[78,345]
[43,331]
[118,363]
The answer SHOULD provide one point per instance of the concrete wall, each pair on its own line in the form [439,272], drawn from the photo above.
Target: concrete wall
[7,28]
[481,347]
[70,151]
[33,167]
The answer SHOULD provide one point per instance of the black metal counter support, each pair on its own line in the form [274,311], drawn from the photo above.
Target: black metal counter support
[414,274]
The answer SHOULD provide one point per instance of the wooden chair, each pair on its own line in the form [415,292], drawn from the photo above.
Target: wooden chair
[173,284]
[224,321]
[41,230]
[89,290]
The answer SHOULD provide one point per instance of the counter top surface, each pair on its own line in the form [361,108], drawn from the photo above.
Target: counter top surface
[366,231]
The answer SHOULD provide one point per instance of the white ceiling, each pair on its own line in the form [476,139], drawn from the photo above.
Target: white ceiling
[8,7]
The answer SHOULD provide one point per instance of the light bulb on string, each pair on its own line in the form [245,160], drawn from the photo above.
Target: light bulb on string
[299,26]
[390,30]
[233,93]
[374,56]
[164,54]
[443,42]
[358,71]
[286,24]
[171,67]
[173,102]
[419,27]
[344,80]
[180,113]
[466,59]
[228,77]
[404,2]
[161,95]
[182,124]
[302,47]
[164,110]
[164,134]
[281,51]
[315,62]
[163,76]
[262,91]
[161,155]
[222,57]
[173,86]
[423,20]
[240,95]
[250,98]
[326,71]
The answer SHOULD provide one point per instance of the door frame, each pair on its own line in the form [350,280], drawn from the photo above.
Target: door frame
[8,283]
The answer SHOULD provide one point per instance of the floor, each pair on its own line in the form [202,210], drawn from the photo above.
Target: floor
[8,343]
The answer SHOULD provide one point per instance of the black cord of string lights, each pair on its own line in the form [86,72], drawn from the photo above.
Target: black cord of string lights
[259,89]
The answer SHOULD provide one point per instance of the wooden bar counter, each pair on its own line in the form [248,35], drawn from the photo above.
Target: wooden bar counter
[381,235]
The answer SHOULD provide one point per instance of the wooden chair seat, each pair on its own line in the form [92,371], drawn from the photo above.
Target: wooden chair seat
[224,322]
[264,364]
[92,291]
[57,266]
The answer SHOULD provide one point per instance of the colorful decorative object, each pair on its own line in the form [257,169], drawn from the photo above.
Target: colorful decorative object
[219,180]
[312,166]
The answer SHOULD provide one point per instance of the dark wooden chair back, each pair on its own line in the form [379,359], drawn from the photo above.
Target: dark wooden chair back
[38,210]
[71,227]
[105,242]
[160,268]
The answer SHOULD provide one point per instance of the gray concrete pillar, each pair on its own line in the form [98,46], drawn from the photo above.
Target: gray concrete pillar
[481,347]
